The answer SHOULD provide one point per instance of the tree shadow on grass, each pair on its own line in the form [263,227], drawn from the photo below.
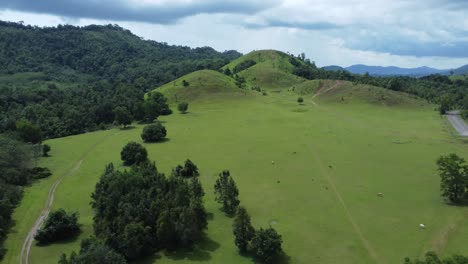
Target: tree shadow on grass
[66,241]
[200,252]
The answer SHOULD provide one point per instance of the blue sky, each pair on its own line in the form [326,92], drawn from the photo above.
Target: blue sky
[406,33]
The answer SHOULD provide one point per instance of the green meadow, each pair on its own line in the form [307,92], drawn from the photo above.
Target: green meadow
[346,177]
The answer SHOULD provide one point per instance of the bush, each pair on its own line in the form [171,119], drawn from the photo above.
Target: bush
[188,170]
[300,100]
[464,114]
[45,150]
[183,107]
[58,226]
[93,251]
[133,153]
[266,245]
[154,132]
[40,172]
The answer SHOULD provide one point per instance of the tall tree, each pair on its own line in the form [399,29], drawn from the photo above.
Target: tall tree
[122,116]
[266,245]
[454,177]
[242,229]
[226,192]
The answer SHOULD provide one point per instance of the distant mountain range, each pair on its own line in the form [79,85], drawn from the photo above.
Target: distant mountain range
[394,71]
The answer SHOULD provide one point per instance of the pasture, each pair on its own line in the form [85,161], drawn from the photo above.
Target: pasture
[331,160]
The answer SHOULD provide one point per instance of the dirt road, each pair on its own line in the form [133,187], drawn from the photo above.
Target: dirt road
[458,123]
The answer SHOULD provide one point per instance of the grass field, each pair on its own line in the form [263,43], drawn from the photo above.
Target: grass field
[331,160]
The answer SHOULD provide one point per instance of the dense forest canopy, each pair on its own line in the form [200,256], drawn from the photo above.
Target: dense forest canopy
[68,80]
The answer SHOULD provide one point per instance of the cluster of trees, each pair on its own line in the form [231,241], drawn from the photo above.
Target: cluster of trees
[51,79]
[264,244]
[59,226]
[93,250]
[188,170]
[140,211]
[16,170]
[453,172]
[432,258]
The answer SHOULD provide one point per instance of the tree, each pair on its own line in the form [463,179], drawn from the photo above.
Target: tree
[464,114]
[227,72]
[58,226]
[182,107]
[226,192]
[300,100]
[185,83]
[123,116]
[45,150]
[154,132]
[155,105]
[139,211]
[242,229]
[188,170]
[95,252]
[133,153]
[266,245]
[445,105]
[454,177]
[28,132]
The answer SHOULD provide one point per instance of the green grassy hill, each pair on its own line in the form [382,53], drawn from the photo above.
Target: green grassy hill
[273,69]
[202,85]
[345,92]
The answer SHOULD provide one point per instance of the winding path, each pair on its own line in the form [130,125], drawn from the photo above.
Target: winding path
[26,248]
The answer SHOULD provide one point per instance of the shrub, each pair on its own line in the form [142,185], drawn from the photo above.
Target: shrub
[300,100]
[58,226]
[266,245]
[133,153]
[188,170]
[40,172]
[182,107]
[464,114]
[45,150]
[154,132]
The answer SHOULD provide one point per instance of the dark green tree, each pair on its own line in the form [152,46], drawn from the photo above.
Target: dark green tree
[45,150]
[185,83]
[182,107]
[242,229]
[445,105]
[28,132]
[227,72]
[133,153]
[155,105]
[188,170]
[300,100]
[122,116]
[154,132]
[93,251]
[58,226]
[226,192]
[266,245]
[453,177]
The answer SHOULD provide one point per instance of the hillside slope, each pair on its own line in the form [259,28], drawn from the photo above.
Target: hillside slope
[271,69]
[201,85]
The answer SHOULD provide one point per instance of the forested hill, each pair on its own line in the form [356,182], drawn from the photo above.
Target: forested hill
[69,80]
[108,52]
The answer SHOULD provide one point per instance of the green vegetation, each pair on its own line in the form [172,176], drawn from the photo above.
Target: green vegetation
[242,229]
[153,133]
[454,177]
[266,245]
[300,100]
[58,226]
[188,170]
[122,116]
[141,211]
[431,257]
[182,107]
[226,192]
[93,251]
[45,150]
[133,153]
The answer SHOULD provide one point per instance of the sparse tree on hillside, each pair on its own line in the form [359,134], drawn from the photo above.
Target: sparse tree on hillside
[155,105]
[226,192]
[266,245]
[188,170]
[300,100]
[45,150]
[122,116]
[454,177]
[185,83]
[58,226]
[242,229]
[154,132]
[227,72]
[182,107]
[133,153]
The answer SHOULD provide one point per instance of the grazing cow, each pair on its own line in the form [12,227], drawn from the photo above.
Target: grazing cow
[422,226]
